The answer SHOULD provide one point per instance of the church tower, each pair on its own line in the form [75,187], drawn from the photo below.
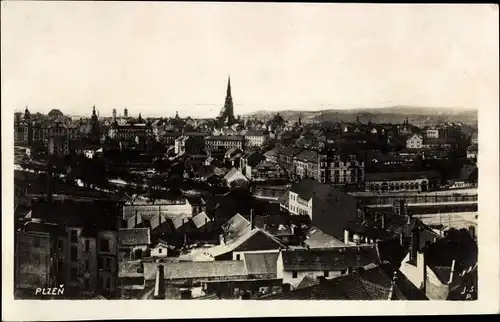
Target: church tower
[227,112]
[94,124]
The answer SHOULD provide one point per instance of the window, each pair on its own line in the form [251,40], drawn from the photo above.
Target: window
[159,250]
[86,246]
[87,265]
[74,236]
[326,273]
[74,253]
[108,283]
[294,274]
[108,263]
[238,257]
[104,245]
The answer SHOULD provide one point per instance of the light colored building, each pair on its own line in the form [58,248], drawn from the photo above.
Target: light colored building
[401,181]
[224,142]
[415,141]
[129,131]
[432,133]
[294,265]
[234,175]
[256,138]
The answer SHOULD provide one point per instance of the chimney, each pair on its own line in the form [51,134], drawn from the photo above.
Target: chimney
[222,239]
[422,267]
[252,219]
[383,220]
[452,272]
[409,217]
[415,243]
[159,292]
[401,239]
[346,236]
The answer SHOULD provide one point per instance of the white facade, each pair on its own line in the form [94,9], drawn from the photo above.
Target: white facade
[432,133]
[415,141]
[255,140]
[295,277]
[398,185]
[298,206]
[159,251]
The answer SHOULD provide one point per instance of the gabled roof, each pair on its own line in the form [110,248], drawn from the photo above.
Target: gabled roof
[200,219]
[134,236]
[315,238]
[235,227]
[232,173]
[234,244]
[332,259]
[372,284]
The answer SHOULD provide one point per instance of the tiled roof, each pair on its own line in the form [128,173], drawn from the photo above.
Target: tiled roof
[307,281]
[147,211]
[261,263]
[235,227]
[308,156]
[207,269]
[134,236]
[315,238]
[232,173]
[180,220]
[233,244]
[331,259]
[373,284]
[200,219]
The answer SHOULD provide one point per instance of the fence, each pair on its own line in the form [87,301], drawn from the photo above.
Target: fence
[416,199]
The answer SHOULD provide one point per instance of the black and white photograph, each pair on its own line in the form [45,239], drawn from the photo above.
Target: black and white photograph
[249,151]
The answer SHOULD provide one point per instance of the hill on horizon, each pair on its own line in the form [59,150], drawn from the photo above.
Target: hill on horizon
[393,114]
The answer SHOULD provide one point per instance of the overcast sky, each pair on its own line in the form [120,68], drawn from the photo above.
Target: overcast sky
[156,58]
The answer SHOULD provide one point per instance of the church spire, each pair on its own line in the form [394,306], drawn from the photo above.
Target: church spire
[228,86]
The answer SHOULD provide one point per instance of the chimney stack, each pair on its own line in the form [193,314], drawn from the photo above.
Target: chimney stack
[401,239]
[452,272]
[415,243]
[159,292]
[252,219]
[409,217]
[383,220]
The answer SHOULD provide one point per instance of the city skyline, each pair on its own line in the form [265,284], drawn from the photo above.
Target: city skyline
[71,56]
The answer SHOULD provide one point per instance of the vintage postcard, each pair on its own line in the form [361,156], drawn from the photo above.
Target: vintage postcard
[288,159]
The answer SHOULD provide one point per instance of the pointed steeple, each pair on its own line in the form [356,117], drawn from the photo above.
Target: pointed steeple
[93,111]
[228,94]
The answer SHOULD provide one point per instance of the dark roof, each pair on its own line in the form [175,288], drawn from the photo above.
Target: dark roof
[308,156]
[307,188]
[315,238]
[98,214]
[372,284]
[133,236]
[255,133]
[307,281]
[290,151]
[331,259]
[185,270]
[393,176]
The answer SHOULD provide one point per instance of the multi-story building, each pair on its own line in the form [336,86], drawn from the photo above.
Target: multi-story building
[59,146]
[432,133]
[129,131]
[23,129]
[415,141]
[86,243]
[256,138]
[401,181]
[285,159]
[224,142]
[36,249]
[341,168]
[306,164]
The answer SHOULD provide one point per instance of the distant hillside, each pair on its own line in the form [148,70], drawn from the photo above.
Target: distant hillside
[416,115]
